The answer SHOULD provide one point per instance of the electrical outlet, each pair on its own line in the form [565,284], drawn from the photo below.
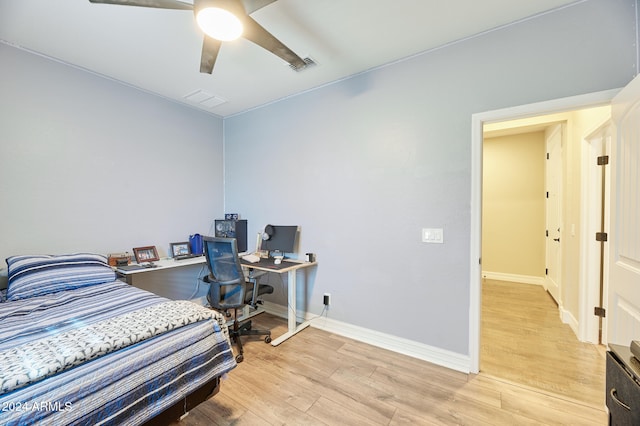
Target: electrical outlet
[326,299]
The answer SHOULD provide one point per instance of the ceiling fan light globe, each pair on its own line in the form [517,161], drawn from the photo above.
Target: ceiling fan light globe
[219,24]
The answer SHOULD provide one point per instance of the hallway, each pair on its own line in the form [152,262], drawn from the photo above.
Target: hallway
[525,342]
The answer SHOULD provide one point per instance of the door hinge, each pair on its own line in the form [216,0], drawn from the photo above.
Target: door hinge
[546,271]
[599,312]
[547,155]
[603,160]
[546,233]
[601,236]
[547,194]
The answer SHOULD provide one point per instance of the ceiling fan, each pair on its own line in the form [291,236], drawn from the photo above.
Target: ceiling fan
[237,11]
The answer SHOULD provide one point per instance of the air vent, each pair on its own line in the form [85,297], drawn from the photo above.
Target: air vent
[308,62]
[204,99]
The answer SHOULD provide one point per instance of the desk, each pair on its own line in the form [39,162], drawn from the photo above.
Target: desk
[290,267]
[160,265]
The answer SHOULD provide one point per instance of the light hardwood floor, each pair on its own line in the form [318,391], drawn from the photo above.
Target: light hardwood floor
[318,378]
[524,341]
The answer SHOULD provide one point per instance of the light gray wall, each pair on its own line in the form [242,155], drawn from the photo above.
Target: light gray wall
[89,164]
[362,165]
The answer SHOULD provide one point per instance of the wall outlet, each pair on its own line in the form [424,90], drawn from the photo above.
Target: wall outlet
[326,299]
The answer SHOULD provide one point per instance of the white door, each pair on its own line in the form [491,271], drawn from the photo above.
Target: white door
[623,313]
[554,212]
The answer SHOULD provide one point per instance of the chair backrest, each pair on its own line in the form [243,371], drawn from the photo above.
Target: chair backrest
[226,279]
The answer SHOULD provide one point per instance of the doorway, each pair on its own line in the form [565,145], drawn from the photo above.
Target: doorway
[530,323]
[478,122]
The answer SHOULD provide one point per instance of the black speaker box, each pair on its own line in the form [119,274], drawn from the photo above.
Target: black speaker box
[233,229]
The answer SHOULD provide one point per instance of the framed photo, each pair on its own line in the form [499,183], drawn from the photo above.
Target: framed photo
[179,249]
[146,254]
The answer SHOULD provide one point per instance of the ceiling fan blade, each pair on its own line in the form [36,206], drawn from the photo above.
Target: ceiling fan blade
[256,33]
[210,49]
[160,4]
[251,6]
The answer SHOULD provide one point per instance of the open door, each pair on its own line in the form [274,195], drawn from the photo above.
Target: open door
[553,184]
[623,313]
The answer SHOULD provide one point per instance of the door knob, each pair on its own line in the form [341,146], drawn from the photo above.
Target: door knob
[556,239]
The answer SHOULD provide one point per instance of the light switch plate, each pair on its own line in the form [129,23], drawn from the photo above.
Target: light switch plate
[432,235]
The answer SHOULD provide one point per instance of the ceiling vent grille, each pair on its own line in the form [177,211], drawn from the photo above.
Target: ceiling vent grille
[204,99]
[308,62]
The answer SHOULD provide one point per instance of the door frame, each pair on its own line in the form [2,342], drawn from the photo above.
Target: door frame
[477,122]
[593,145]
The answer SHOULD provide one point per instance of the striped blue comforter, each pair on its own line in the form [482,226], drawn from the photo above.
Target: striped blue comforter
[126,386]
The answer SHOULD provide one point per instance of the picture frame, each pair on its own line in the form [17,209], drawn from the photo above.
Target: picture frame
[146,254]
[180,249]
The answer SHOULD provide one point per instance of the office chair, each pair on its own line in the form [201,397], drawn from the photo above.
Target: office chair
[228,288]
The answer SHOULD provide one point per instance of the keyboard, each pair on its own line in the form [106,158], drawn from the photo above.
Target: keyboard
[251,258]
[136,266]
[130,267]
[185,256]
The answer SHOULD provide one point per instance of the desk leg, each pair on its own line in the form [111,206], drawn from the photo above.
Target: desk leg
[293,328]
[128,278]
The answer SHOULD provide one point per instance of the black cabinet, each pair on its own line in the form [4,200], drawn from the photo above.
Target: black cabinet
[623,386]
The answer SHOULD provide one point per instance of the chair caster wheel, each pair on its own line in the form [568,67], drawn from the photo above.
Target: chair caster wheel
[239,358]
[267,339]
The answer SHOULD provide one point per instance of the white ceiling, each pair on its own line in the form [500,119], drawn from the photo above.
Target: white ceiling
[159,50]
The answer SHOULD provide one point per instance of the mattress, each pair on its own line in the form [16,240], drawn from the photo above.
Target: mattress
[114,373]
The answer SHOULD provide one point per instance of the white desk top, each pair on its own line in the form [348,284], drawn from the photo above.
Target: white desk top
[165,264]
[286,266]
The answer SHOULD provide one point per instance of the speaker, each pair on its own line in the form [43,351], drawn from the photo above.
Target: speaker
[233,229]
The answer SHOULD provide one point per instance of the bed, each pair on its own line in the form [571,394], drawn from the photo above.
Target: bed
[79,347]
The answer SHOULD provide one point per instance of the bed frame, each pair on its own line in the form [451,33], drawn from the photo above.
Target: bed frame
[186,404]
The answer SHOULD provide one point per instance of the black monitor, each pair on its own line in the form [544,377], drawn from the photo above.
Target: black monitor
[279,238]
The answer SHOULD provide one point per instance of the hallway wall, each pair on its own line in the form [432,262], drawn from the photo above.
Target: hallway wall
[513,207]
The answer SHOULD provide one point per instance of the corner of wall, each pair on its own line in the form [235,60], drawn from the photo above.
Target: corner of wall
[637,5]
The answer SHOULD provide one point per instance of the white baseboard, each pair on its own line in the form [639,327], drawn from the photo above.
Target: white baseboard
[448,359]
[275,309]
[567,318]
[523,279]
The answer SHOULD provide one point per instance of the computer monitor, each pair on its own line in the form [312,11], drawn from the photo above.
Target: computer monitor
[278,238]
